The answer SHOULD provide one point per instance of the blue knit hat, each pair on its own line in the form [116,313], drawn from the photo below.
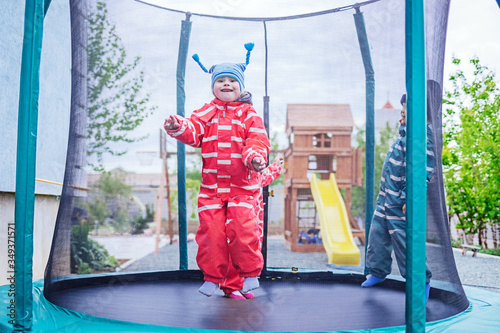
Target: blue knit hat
[234,70]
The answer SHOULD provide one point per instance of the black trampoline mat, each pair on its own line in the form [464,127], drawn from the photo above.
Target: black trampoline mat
[278,306]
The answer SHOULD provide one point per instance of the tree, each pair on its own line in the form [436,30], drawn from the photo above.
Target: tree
[471,150]
[116,104]
[111,198]
[387,137]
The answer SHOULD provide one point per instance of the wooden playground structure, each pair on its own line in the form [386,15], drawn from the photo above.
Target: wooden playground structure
[319,142]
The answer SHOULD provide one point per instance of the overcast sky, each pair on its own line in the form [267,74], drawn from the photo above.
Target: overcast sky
[473,28]
[472,31]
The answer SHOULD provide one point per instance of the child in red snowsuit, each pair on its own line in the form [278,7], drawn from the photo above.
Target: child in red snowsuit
[234,148]
[233,283]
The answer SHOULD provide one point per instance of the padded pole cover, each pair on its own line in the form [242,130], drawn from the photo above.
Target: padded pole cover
[416,161]
[370,120]
[181,149]
[26,161]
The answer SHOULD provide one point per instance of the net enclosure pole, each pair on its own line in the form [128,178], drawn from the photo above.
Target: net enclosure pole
[21,268]
[416,193]
[370,119]
[181,149]
[265,190]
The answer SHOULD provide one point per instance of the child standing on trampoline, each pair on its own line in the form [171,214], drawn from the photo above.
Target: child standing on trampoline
[234,148]
[233,283]
[388,225]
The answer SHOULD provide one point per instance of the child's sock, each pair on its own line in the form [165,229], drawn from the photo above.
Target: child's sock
[208,288]
[235,295]
[371,281]
[427,291]
[250,283]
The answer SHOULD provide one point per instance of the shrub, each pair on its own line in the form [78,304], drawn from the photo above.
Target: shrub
[494,252]
[87,255]
[456,243]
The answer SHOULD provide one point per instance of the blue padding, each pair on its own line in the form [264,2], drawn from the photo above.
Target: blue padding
[181,149]
[370,120]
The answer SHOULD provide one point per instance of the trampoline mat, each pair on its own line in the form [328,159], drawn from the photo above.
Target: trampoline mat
[278,305]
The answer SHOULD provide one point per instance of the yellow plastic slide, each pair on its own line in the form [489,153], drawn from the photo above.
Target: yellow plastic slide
[334,221]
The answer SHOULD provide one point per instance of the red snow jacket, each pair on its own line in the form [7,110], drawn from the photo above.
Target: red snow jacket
[230,135]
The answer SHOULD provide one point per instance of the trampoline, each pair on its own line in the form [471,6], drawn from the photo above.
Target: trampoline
[290,299]
[286,301]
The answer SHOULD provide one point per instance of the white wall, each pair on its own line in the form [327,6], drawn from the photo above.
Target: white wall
[53,123]
[55,93]
[45,215]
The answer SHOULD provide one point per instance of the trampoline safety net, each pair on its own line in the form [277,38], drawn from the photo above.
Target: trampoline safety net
[125,231]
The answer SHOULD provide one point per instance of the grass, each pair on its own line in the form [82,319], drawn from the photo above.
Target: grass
[494,252]
[457,243]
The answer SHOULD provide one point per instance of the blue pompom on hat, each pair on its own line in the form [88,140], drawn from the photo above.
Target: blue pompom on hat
[234,70]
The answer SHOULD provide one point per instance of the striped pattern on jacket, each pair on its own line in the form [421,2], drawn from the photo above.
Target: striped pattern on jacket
[393,179]
[230,136]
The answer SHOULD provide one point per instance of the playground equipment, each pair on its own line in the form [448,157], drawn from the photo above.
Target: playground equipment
[335,228]
[319,143]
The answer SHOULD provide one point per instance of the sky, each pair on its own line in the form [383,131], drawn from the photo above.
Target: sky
[473,31]
[335,75]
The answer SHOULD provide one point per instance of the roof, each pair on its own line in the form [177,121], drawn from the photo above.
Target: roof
[386,115]
[388,105]
[323,116]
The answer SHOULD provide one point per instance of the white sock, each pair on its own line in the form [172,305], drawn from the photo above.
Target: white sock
[250,283]
[208,288]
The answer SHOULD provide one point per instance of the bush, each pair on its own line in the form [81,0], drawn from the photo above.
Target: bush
[494,252]
[140,223]
[456,243]
[87,255]
[84,268]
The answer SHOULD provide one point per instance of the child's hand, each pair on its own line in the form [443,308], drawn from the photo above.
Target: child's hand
[279,160]
[259,164]
[171,123]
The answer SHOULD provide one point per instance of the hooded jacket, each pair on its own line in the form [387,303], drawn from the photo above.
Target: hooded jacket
[230,136]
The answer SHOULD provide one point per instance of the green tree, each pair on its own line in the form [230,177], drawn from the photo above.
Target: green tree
[386,138]
[111,198]
[116,103]
[471,151]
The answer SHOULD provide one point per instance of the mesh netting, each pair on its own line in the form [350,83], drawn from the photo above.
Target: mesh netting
[119,214]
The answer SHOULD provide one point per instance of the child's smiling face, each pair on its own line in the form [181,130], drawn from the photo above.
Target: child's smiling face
[227,89]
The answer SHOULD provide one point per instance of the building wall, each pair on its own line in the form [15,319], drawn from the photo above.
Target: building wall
[45,215]
[53,122]
[55,93]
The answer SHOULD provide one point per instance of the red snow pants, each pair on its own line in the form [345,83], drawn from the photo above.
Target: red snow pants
[228,235]
[233,280]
